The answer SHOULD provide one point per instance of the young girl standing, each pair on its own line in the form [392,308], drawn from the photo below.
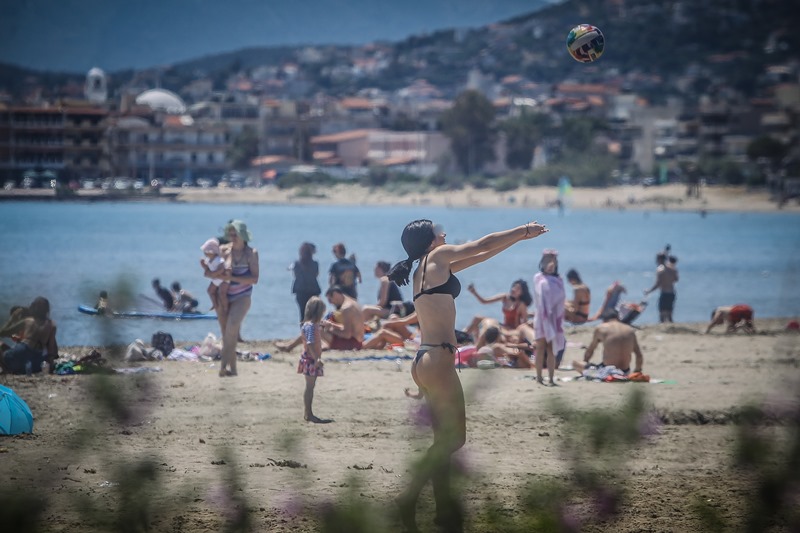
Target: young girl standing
[311,361]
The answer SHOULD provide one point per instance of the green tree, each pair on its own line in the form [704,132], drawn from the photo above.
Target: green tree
[243,148]
[578,133]
[765,147]
[470,126]
[523,133]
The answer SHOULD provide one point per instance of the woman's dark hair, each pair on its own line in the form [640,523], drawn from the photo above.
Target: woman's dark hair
[176,286]
[306,252]
[542,263]
[39,308]
[525,292]
[491,334]
[573,275]
[417,237]
[383,265]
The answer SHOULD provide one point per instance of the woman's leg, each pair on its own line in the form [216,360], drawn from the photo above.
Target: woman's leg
[551,363]
[302,299]
[436,375]
[308,397]
[541,354]
[237,310]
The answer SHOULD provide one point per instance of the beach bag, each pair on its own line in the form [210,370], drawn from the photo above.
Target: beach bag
[162,341]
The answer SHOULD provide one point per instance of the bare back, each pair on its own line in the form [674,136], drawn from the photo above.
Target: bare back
[619,343]
[667,276]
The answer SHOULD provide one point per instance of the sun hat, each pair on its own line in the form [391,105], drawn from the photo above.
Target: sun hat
[241,229]
[211,245]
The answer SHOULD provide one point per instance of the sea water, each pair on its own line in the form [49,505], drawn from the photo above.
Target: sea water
[69,252]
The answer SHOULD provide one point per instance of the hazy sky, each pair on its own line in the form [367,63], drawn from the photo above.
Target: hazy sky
[75,35]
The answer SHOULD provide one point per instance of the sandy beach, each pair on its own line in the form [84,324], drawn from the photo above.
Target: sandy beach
[667,197]
[219,447]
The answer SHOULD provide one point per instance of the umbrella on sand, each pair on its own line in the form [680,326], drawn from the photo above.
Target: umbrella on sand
[15,415]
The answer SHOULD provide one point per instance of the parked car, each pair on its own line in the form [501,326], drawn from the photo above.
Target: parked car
[123,184]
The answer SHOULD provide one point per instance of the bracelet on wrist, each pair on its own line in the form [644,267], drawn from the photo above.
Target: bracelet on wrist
[527,229]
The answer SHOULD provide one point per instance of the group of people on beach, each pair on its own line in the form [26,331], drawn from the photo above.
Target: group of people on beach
[531,333]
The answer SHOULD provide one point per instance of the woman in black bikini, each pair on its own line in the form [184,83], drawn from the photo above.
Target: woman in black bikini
[435,290]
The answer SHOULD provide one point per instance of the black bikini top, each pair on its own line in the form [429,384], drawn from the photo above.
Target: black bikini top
[452,286]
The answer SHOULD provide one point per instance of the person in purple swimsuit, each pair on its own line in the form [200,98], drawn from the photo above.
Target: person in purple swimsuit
[241,273]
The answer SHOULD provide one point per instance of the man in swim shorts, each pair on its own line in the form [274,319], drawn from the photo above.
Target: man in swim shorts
[619,344]
[666,278]
[345,329]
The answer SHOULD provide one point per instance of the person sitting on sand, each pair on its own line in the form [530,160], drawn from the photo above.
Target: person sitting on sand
[576,310]
[619,344]
[515,306]
[739,316]
[36,343]
[492,342]
[344,329]
[611,300]
[388,294]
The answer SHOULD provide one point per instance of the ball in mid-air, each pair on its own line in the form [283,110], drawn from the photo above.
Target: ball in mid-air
[585,43]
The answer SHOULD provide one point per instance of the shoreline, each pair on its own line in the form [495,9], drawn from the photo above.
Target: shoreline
[671,197]
[770,326]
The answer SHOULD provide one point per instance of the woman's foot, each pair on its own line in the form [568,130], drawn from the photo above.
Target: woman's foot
[317,420]
[450,519]
[227,373]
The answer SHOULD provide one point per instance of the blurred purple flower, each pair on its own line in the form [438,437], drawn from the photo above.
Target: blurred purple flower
[421,415]
[569,518]
[292,505]
[650,424]
[606,501]
[221,496]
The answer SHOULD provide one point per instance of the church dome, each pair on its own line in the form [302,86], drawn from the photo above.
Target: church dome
[162,100]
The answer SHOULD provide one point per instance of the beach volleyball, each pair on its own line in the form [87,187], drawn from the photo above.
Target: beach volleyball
[585,43]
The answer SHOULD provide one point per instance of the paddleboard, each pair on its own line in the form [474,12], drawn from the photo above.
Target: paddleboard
[142,314]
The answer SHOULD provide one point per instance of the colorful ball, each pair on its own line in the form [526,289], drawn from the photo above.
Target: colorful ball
[585,43]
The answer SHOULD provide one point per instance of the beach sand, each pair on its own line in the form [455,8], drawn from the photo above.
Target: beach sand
[667,197]
[188,421]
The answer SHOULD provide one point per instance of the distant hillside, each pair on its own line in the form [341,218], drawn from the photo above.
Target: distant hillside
[729,41]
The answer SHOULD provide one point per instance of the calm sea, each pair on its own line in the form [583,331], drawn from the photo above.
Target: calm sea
[68,252]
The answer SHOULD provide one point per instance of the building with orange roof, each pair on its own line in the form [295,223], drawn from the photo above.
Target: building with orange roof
[416,151]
